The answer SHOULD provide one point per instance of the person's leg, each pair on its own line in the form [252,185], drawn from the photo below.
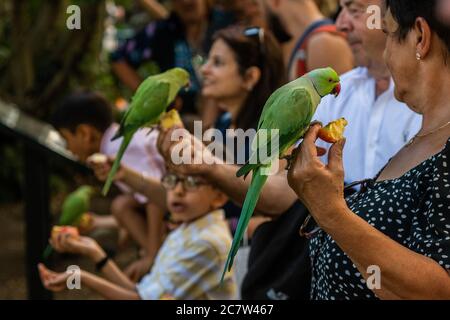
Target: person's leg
[156,232]
[156,229]
[127,211]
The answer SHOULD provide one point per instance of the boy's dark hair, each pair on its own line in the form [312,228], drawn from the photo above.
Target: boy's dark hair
[405,13]
[83,107]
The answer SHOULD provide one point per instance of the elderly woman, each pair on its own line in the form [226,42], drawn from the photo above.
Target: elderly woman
[399,223]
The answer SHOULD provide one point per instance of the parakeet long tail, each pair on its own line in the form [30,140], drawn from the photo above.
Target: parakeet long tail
[251,199]
[125,142]
[48,251]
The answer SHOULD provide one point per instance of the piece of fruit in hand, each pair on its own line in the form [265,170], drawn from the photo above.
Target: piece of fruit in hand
[57,230]
[97,158]
[171,119]
[85,223]
[334,131]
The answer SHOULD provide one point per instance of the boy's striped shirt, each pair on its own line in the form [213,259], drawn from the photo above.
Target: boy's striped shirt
[190,262]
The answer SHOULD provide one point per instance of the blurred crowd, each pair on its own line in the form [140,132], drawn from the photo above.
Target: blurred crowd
[238,52]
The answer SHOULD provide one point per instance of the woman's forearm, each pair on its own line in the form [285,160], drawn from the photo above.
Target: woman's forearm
[404,273]
[127,74]
[107,289]
[276,196]
[150,187]
[156,10]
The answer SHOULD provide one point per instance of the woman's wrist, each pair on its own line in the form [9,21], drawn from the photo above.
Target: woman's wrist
[97,254]
[331,216]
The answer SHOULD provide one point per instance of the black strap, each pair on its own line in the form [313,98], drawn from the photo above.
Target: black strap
[305,36]
[100,265]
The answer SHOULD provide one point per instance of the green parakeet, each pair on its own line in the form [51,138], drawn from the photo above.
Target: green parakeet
[149,103]
[289,110]
[74,206]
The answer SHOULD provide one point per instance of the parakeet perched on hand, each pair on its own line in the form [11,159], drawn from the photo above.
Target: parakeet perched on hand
[74,206]
[149,103]
[290,110]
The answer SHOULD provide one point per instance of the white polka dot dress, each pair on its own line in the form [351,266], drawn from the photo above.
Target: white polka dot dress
[413,210]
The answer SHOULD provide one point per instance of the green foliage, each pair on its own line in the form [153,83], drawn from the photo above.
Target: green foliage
[41,61]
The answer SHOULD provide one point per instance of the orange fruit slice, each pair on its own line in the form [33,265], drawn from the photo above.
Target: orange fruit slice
[57,230]
[334,131]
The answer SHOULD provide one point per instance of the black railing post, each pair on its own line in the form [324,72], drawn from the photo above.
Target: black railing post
[37,216]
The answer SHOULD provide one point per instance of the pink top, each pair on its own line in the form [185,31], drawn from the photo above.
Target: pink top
[142,155]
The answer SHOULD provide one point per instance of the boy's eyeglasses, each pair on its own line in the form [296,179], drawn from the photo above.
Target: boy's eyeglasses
[257,32]
[190,183]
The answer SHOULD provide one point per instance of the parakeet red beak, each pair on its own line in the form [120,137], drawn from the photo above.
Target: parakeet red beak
[337,90]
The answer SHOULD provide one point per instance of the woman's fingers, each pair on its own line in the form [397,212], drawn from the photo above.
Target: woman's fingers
[308,146]
[335,163]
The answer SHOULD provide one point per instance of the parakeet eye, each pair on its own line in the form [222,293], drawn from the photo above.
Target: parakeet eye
[330,80]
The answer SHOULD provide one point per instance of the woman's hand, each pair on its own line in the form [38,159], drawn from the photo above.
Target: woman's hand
[53,281]
[320,187]
[173,144]
[84,246]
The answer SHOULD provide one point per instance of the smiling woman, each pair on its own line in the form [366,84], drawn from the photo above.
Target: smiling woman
[399,220]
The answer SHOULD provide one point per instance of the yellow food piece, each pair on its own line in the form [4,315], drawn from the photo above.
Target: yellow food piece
[334,131]
[171,119]
[98,158]
[85,222]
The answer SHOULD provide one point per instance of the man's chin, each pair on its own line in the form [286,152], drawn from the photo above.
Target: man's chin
[361,59]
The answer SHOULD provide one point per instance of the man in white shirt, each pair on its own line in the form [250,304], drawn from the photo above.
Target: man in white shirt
[379,125]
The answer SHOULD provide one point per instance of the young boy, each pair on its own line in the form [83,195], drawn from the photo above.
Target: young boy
[85,120]
[189,264]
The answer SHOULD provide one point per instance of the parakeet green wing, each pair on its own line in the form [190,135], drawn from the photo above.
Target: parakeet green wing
[290,110]
[291,123]
[152,103]
[74,206]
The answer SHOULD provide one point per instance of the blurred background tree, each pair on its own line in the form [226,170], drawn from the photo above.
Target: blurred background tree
[41,60]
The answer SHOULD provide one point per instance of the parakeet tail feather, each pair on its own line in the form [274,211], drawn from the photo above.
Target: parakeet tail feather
[47,252]
[115,167]
[251,199]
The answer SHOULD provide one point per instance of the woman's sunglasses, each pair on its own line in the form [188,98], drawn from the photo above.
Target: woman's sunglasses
[257,32]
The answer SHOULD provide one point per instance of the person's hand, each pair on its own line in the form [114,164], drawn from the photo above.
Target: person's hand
[102,168]
[320,187]
[136,270]
[184,153]
[85,246]
[52,281]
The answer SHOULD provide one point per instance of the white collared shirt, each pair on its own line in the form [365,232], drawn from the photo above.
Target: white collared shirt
[378,127]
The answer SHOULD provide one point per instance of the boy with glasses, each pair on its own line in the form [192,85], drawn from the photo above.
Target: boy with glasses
[188,265]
